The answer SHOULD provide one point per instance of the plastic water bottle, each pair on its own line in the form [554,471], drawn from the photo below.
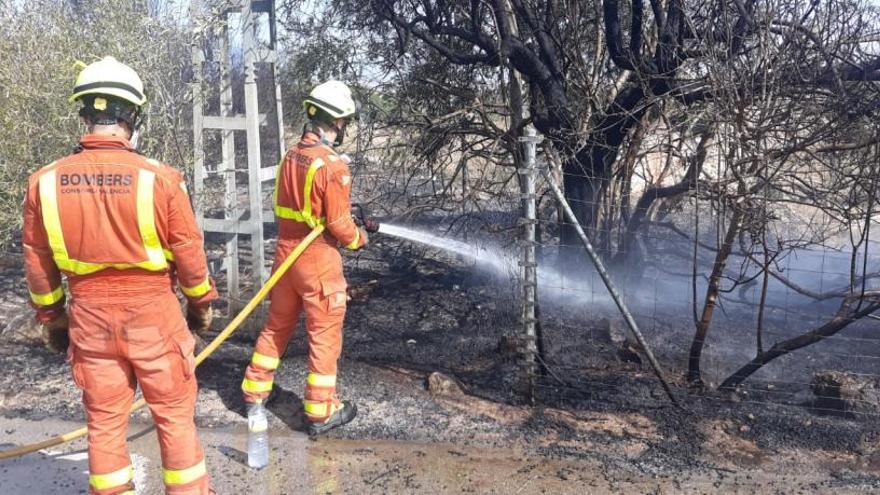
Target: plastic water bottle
[258,437]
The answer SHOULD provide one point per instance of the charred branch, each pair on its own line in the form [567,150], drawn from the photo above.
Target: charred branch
[846,315]
[652,194]
[694,375]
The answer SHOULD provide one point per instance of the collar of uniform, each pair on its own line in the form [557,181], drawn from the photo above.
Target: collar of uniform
[98,141]
[311,138]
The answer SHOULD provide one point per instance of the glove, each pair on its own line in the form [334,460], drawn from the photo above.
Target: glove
[55,335]
[198,318]
[371,225]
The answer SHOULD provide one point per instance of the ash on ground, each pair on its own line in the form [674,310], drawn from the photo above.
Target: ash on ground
[411,316]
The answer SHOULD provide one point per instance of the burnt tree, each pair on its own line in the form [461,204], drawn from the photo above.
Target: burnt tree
[599,76]
[588,137]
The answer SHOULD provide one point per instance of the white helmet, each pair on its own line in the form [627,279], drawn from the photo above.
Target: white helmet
[333,97]
[110,77]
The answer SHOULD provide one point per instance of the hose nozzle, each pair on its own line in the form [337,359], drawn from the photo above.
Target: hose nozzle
[363,218]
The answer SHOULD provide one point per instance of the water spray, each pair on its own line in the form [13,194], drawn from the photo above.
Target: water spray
[487,257]
[503,264]
[609,284]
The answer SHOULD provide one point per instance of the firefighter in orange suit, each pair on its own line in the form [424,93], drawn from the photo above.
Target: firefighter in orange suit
[313,188]
[120,227]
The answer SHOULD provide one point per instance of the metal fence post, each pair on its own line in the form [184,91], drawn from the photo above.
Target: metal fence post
[528,263]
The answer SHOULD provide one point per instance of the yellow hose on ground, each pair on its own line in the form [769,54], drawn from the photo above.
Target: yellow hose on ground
[207,351]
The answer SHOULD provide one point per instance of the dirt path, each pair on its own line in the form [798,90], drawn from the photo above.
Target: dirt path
[367,466]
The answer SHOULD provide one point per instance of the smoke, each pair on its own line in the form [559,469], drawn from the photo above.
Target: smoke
[664,295]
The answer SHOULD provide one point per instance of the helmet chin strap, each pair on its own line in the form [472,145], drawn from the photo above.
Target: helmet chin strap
[340,135]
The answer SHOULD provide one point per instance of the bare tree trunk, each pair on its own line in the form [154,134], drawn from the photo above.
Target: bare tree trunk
[628,169]
[590,168]
[765,283]
[688,182]
[694,376]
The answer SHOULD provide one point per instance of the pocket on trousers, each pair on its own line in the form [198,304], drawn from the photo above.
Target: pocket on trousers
[146,343]
[90,330]
[334,294]
[75,368]
[186,346]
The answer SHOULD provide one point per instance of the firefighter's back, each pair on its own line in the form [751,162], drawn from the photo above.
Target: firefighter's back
[104,212]
[308,166]
[119,227]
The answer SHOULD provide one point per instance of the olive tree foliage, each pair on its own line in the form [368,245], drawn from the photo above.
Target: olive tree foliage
[595,69]
[40,43]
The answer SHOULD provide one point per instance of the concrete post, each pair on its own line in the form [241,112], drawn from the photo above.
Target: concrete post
[252,129]
[528,263]
[231,211]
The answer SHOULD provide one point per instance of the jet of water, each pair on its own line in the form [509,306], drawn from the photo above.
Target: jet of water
[557,286]
[486,256]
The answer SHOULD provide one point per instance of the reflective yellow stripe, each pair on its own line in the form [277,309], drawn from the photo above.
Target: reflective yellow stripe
[357,239]
[297,216]
[317,380]
[199,290]
[168,254]
[47,299]
[316,408]
[266,362]
[307,193]
[147,222]
[51,219]
[304,216]
[256,386]
[112,480]
[184,476]
[146,226]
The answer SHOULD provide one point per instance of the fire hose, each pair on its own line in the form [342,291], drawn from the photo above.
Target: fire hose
[207,351]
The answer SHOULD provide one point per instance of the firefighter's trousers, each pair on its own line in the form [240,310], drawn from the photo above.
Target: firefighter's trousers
[120,341]
[314,285]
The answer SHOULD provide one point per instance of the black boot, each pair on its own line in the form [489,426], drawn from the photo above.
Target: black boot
[338,418]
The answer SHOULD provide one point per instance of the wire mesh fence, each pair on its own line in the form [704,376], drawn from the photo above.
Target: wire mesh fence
[761,311]
[792,285]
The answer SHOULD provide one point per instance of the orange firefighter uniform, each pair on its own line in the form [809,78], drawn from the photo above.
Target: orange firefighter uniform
[121,228]
[313,187]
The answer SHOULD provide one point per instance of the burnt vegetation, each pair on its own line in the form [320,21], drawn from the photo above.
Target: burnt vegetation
[744,129]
